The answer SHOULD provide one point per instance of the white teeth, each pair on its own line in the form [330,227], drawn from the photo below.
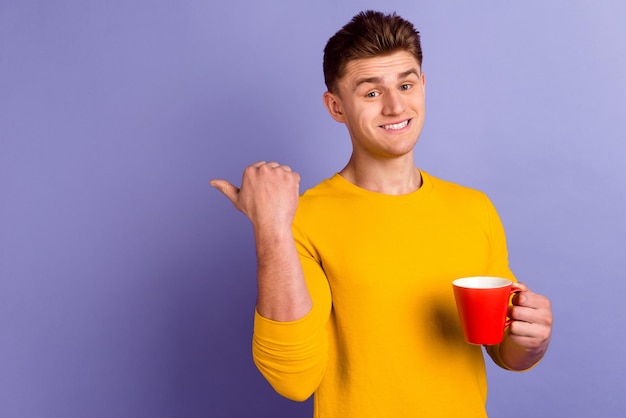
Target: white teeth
[396,125]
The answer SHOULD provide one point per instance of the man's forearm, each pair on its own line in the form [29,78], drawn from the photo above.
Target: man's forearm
[282,291]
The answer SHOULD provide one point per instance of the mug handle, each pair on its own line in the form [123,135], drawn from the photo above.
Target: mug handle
[508,320]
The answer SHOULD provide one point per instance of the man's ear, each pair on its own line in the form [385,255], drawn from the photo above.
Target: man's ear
[334,106]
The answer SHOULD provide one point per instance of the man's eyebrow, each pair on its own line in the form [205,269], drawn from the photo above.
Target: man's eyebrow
[409,72]
[379,80]
[370,80]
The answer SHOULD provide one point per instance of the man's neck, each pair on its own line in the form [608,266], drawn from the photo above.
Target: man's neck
[393,177]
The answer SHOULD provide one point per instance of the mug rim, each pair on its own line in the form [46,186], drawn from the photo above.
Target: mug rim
[482,282]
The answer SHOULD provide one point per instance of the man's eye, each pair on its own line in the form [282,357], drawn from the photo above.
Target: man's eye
[405,87]
[372,94]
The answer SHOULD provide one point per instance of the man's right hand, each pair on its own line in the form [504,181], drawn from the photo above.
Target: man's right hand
[268,195]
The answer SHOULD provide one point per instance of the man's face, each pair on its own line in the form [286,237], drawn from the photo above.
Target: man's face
[382,102]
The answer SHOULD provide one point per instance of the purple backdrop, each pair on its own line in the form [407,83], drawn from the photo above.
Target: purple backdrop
[127,284]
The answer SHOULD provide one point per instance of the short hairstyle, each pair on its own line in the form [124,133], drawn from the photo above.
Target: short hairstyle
[369,34]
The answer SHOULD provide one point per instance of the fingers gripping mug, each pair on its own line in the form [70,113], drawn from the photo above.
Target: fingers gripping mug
[482,303]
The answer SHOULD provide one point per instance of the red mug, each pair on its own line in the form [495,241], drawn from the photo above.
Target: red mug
[482,303]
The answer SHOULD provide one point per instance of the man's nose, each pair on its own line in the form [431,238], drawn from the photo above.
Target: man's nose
[394,103]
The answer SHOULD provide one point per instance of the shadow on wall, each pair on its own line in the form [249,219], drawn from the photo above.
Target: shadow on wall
[234,386]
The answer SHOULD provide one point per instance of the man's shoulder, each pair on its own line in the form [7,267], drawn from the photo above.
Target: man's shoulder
[455,193]
[325,188]
[443,185]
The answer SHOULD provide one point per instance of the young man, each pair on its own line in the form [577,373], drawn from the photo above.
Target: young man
[355,302]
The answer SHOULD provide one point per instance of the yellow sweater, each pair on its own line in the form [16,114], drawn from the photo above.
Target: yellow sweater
[383,338]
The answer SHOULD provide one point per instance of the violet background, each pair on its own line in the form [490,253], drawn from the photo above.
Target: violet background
[127,284]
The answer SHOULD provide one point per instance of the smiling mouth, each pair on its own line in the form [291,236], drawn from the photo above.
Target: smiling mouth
[396,126]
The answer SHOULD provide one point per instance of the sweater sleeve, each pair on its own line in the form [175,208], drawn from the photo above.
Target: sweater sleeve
[292,356]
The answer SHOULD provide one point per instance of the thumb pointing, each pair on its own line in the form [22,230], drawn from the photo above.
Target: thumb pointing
[226,188]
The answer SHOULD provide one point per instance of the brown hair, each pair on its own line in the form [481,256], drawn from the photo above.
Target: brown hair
[369,34]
